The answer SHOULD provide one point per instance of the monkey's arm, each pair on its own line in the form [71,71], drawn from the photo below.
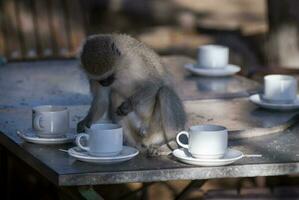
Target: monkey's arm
[146,92]
[99,105]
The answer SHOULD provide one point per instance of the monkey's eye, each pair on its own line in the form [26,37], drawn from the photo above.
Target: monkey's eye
[107,81]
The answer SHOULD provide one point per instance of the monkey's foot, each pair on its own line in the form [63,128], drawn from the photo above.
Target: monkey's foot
[124,109]
[157,150]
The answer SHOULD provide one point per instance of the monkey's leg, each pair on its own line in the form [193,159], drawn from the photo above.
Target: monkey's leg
[172,116]
[146,93]
[131,131]
[156,142]
[139,108]
[99,105]
[130,123]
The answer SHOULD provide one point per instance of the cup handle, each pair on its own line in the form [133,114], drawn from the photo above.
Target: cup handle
[37,123]
[78,141]
[178,139]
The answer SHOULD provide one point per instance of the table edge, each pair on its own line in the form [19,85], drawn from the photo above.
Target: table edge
[194,173]
[28,158]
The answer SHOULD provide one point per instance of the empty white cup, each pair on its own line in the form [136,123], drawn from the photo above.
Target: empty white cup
[102,139]
[280,89]
[205,141]
[212,56]
[50,121]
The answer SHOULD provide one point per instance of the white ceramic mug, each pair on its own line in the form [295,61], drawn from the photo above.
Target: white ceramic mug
[280,89]
[50,121]
[102,139]
[205,141]
[212,56]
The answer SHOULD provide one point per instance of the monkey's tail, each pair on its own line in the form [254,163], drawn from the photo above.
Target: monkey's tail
[173,116]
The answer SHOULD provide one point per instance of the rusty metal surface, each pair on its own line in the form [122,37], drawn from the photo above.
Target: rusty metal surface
[26,84]
[279,157]
[191,87]
[61,82]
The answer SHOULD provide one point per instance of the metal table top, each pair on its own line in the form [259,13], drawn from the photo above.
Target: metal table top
[192,87]
[279,152]
[26,84]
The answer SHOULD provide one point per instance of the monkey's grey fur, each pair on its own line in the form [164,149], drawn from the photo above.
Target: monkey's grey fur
[140,96]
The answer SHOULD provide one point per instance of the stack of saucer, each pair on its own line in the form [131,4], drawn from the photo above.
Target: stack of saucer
[104,145]
[212,61]
[50,125]
[280,93]
[207,147]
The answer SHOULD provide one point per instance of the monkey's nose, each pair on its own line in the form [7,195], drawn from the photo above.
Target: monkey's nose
[108,81]
[104,83]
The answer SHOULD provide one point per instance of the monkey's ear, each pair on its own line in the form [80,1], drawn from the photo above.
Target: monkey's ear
[114,49]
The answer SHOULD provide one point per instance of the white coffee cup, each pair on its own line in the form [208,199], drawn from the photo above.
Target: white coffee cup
[280,89]
[205,141]
[50,121]
[212,56]
[104,139]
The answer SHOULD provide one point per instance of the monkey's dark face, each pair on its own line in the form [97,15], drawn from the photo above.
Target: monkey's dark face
[99,55]
[107,81]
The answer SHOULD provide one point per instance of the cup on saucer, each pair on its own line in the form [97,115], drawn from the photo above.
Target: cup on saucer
[212,61]
[205,141]
[212,56]
[279,89]
[50,121]
[104,139]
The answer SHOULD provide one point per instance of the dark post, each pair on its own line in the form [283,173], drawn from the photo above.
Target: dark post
[282,45]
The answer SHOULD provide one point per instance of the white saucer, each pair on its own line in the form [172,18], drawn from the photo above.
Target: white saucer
[226,71]
[30,136]
[230,156]
[256,99]
[126,154]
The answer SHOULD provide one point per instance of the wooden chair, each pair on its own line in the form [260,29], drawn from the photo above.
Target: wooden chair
[34,29]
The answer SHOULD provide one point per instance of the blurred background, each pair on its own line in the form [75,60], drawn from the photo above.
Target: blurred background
[47,29]
[262,36]
[258,32]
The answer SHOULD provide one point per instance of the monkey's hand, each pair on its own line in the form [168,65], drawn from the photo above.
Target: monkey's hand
[86,122]
[125,108]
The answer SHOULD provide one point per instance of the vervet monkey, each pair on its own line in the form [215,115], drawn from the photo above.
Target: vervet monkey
[127,77]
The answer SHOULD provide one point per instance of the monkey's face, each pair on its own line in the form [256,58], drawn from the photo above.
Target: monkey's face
[107,81]
[99,57]
[104,80]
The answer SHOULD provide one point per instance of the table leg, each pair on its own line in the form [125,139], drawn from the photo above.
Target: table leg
[143,190]
[79,193]
[4,173]
[194,184]
[89,193]
[144,194]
